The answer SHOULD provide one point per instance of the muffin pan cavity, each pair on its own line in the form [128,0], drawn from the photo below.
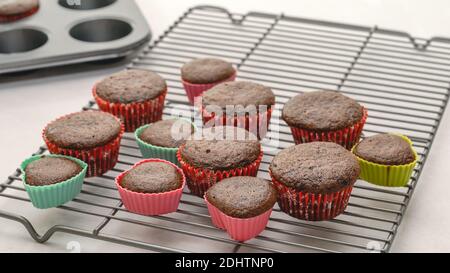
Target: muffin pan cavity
[85,4]
[77,31]
[21,40]
[103,30]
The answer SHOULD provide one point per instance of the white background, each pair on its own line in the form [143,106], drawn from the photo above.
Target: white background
[28,102]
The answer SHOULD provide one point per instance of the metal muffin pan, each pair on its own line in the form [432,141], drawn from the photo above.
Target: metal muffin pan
[66,32]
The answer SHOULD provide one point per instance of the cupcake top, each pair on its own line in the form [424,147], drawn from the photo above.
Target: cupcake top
[222,148]
[83,130]
[208,70]
[152,177]
[239,93]
[51,170]
[317,167]
[130,86]
[13,7]
[242,196]
[322,111]
[385,149]
[170,133]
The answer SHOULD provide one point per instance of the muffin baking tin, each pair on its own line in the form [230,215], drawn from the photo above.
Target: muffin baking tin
[403,81]
[72,31]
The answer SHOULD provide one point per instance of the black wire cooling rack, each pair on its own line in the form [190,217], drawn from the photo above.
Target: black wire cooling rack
[403,81]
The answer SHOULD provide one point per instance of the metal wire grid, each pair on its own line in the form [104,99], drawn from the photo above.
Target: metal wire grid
[404,82]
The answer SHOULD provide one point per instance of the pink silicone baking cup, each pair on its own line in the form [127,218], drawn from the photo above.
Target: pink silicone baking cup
[194,90]
[199,180]
[261,119]
[239,229]
[134,115]
[347,137]
[151,203]
[99,159]
[16,17]
[309,206]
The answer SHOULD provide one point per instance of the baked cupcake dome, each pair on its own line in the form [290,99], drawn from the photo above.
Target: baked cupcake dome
[52,180]
[200,75]
[151,187]
[325,116]
[253,104]
[314,180]
[220,152]
[241,205]
[135,96]
[163,138]
[386,159]
[91,136]
[13,10]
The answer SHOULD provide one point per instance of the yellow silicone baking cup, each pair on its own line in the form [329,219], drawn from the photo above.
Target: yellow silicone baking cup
[387,175]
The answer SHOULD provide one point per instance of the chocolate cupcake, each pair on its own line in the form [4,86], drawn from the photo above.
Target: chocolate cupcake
[135,96]
[163,138]
[52,180]
[220,152]
[151,187]
[325,116]
[200,75]
[314,180]
[241,205]
[91,136]
[252,104]
[13,10]
[386,159]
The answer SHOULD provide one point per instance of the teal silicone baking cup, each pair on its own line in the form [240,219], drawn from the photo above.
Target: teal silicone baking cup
[50,196]
[152,151]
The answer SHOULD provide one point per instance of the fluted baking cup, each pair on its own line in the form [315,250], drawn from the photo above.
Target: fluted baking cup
[153,151]
[194,90]
[239,229]
[199,180]
[99,159]
[50,196]
[151,203]
[310,206]
[346,137]
[133,115]
[16,17]
[387,175]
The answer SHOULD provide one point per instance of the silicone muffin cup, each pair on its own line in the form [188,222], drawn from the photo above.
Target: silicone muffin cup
[99,159]
[153,151]
[199,180]
[239,229]
[309,206]
[151,203]
[194,90]
[16,17]
[346,137]
[261,119]
[387,175]
[133,115]
[50,196]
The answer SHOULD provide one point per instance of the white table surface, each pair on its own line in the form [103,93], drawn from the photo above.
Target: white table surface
[28,102]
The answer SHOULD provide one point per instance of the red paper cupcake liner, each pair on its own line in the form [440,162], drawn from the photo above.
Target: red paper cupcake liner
[200,180]
[15,17]
[100,159]
[309,206]
[151,203]
[261,119]
[347,137]
[196,90]
[134,115]
[239,229]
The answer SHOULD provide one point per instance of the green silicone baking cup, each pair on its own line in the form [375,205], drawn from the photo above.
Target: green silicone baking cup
[50,196]
[152,151]
[387,175]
